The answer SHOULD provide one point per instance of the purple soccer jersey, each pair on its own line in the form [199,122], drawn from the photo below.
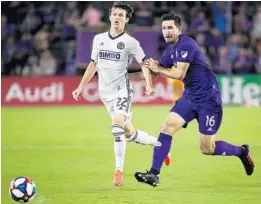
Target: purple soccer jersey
[200,82]
[201,98]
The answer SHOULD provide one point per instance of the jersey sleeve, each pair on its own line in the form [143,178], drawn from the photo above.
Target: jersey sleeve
[95,50]
[185,52]
[137,51]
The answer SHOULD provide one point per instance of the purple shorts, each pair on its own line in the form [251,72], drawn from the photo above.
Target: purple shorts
[208,114]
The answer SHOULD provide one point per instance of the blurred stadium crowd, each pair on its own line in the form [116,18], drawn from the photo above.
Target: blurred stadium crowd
[38,38]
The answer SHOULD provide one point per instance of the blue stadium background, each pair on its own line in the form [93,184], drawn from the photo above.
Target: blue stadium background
[40,38]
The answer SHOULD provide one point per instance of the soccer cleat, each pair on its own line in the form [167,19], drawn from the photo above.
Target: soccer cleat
[247,160]
[118,178]
[167,160]
[148,178]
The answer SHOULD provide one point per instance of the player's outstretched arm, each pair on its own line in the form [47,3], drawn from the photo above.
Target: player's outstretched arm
[89,73]
[178,72]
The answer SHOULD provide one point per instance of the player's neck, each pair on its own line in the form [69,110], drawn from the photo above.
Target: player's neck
[115,33]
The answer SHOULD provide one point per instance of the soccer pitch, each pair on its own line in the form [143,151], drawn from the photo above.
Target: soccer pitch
[68,152]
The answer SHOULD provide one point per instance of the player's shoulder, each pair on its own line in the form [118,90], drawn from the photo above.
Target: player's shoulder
[129,38]
[185,39]
[188,42]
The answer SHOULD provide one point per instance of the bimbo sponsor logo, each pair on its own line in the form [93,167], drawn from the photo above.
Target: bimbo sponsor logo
[110,55]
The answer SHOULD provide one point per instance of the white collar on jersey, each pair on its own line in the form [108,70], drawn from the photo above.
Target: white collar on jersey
[113,38]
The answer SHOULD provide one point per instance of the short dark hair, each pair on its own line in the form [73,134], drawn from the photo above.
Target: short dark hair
[168,17]
[122,5]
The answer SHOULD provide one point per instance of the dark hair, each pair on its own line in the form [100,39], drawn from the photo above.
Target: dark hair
[176,19]
[121,5]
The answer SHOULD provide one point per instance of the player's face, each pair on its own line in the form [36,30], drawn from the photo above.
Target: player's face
[118,18]
[170,31]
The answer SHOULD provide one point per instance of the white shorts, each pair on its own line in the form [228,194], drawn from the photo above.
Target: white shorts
[121,105]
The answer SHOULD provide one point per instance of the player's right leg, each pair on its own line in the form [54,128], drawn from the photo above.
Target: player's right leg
[181,114]
[117,129]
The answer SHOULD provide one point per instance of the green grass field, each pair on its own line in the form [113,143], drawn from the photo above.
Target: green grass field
[68,152]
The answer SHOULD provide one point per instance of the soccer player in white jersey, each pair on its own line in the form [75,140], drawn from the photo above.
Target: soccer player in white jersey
[111,55]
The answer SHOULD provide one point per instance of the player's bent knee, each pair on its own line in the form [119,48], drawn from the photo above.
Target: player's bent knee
[173,123]
[128,130]
[169,128]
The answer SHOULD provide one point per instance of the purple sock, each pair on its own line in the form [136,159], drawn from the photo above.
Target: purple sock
[226,149]
[161,152]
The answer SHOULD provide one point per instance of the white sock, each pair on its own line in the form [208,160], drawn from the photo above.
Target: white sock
[119,146]
[142,137]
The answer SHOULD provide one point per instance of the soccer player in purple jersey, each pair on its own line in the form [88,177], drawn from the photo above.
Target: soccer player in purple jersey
[201,100]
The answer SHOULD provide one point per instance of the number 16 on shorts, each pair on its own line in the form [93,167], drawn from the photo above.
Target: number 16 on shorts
[210,121]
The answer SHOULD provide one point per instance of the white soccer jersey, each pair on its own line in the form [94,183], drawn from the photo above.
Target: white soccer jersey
[113,56]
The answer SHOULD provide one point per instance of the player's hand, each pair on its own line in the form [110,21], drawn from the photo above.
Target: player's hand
[150,91]
[153,65]
[76,94]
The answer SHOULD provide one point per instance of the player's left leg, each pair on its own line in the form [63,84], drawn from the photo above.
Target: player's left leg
[209,146]
[209,119]
[141,137]
[131,133]
[173,123]
[181,114]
